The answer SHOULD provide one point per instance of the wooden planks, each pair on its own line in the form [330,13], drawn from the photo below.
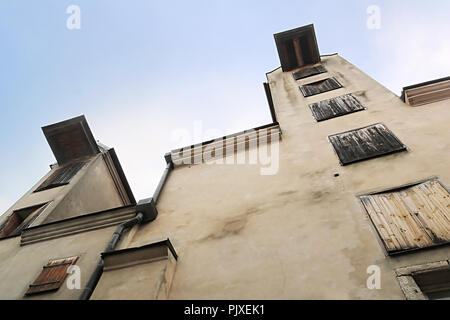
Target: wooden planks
[428,94]
[411,218]
[320,87]
[52,276]
[309,72]
[297,48]
[336,107]
[365,143]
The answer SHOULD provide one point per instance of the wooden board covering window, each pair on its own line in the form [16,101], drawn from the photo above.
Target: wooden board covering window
[336,107]
[61,176]
[411,218]
[52,276]
[309,72]
[365,143]
[320,87]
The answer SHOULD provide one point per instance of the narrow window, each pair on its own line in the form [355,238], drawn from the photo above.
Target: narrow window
[365,143]
[320,87]
[52,276]
[61,176]
[309,72]
[411,218]
[19,220]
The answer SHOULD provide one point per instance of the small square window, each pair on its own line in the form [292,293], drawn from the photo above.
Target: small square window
[61,176]
[52,276]
[365,143]
[411,218]
[336,107]
[309,72]
[318,87]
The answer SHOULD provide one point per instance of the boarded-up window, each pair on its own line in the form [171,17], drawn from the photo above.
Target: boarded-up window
[309,72]
[19,220]
[52,276]
[365,143]
[61,176]
[411,218]
[336,107]
[320,87]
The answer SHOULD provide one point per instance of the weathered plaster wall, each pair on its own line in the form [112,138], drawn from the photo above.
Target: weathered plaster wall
[20,266]
[93,191]
[145,281]
[302,233]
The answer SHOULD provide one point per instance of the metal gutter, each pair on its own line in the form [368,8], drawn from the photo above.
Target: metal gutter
[164,177]
[145,212]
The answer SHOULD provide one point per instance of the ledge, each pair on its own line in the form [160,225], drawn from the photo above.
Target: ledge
[427,92]
[138,255]
[76,225]
[240,141]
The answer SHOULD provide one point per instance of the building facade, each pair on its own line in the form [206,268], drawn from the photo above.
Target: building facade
[342,196]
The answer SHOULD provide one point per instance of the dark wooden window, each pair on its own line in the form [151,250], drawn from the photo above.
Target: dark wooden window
[61,176]
[434,284]
[336,107]
[52,276]
[297,48]
[320,87]
[308,72]
[365,143]
[411,218]
[19,220]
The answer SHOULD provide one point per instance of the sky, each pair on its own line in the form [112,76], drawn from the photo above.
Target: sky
[142,70]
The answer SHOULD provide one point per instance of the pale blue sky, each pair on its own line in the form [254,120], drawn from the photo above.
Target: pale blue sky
[139,70]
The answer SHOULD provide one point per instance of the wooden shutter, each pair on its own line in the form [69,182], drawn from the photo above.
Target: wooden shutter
[52,276]
[336,107]
[320,87]
[365,143]
[309,72]
[61,176]
[411,218]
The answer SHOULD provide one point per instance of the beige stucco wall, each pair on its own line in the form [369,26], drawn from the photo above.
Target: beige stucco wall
[93,191]
[149,280]
[20,266]
[302,233]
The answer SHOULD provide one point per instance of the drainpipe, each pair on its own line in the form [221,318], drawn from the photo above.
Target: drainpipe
[96,274]
[146,211]
[164,177]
